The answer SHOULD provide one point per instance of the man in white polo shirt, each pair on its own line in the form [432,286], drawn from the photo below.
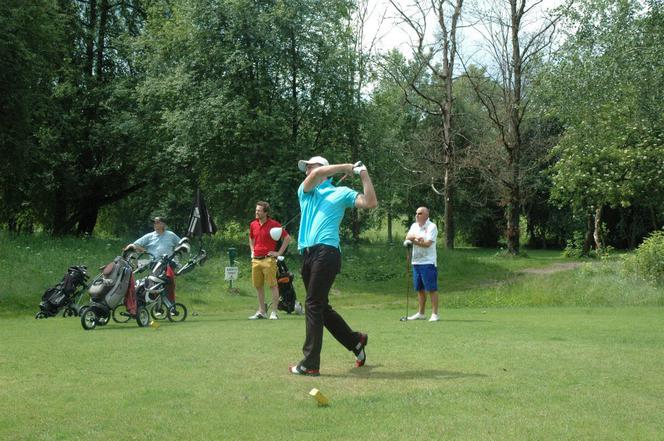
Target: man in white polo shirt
[423,235]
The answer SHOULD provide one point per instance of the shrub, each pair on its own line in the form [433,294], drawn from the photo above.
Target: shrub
[647,262]
[574,247]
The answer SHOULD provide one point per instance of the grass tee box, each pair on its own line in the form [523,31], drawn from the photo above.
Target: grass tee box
[519,355]
[517,374]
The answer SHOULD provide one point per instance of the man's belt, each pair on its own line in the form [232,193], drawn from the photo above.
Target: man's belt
[260,257]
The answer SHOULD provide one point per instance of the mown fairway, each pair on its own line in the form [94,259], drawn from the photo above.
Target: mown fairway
[506,363]
[537,373]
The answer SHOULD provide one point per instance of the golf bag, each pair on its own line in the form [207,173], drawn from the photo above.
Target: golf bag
[107,291]
[111,285]
[287,297]
[65,294]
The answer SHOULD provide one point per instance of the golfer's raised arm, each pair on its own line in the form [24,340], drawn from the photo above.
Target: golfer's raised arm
[319,174]
[366,199]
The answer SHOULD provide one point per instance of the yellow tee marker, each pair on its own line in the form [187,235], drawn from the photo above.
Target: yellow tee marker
[320,398]
[154,324]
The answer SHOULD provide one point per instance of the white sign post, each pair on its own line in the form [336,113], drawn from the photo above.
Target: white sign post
[231,273]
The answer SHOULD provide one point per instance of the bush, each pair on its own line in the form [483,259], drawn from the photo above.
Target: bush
[574,247]
[647,262]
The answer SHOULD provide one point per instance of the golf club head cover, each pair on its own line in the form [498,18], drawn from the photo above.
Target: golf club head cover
[407,243]
[358,167]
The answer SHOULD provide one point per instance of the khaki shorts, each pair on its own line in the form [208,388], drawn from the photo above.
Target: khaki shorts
[264,271]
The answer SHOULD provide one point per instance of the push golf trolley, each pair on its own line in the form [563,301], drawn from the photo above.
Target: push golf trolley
[152,291]
[65,295]
[108,290]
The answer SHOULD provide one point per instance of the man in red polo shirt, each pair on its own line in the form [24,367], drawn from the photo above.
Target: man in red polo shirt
[264,258]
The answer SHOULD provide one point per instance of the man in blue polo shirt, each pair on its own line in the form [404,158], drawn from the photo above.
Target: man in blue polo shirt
[322,206]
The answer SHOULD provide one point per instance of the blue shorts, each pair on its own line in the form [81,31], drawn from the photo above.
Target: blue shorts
[425,277]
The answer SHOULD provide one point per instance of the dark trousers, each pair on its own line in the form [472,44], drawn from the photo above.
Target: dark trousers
[321,265]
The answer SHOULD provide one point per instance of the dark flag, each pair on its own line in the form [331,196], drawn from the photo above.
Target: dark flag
[200,221]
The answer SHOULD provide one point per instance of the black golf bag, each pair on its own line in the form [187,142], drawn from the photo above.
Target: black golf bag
[287,297]
[65,294]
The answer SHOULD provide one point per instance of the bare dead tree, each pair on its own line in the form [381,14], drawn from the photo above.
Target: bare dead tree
[514,39]
[359,56]
[433,66]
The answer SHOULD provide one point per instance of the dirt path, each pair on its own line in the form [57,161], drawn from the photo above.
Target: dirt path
[555,268]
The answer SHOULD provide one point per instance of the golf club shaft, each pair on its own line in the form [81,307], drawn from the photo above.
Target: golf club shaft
[408,282]
[291,220]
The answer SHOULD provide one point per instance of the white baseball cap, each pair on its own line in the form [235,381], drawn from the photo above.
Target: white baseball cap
[302,164]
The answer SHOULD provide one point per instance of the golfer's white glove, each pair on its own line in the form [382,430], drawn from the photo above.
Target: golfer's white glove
[407,243]
[358,167]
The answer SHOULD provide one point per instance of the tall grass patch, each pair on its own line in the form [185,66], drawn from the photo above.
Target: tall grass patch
[647,262]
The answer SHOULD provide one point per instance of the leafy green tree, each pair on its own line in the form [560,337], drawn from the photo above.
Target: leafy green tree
[239,91]
[603,87]
[30,49]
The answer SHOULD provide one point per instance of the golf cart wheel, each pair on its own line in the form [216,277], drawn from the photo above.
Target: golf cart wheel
[68,312]
[177,313]
[89,319]
[142,317]
[40,315]
[120,314]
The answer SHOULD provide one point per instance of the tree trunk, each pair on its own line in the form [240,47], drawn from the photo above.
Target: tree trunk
[588,240]
[389,224]
[101,37]
[87,219]
[597,235]
[449,211]
[90,42]
[295,117]
[513,205]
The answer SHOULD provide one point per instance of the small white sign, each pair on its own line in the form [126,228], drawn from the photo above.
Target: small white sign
[231,273]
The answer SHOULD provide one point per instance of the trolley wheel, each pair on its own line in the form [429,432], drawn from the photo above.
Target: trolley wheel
[142,317]
[41,315]
[177,313]
[159,311]
[121,314]
[68,312]
[89,319]
[103,320]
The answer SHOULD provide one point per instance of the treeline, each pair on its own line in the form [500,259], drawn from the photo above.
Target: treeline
[116,110]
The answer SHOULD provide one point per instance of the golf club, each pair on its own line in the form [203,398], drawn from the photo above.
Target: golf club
[356,166]
[275,233]
[408,244]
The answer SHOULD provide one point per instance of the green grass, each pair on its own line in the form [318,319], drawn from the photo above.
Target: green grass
[570,355]
[536,373]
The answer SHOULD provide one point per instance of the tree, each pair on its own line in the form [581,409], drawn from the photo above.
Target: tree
[30,49]
[515,51]
[85,140]
[428,87]
[239,91]
[604,87]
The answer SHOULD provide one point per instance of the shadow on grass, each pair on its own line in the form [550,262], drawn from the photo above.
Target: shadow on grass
[376,372]
[462,321]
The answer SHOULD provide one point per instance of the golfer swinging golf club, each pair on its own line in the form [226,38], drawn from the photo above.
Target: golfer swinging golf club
[323,206]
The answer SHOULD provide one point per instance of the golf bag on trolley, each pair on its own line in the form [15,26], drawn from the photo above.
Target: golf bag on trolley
[287,298]
[107,291]
[64,295]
